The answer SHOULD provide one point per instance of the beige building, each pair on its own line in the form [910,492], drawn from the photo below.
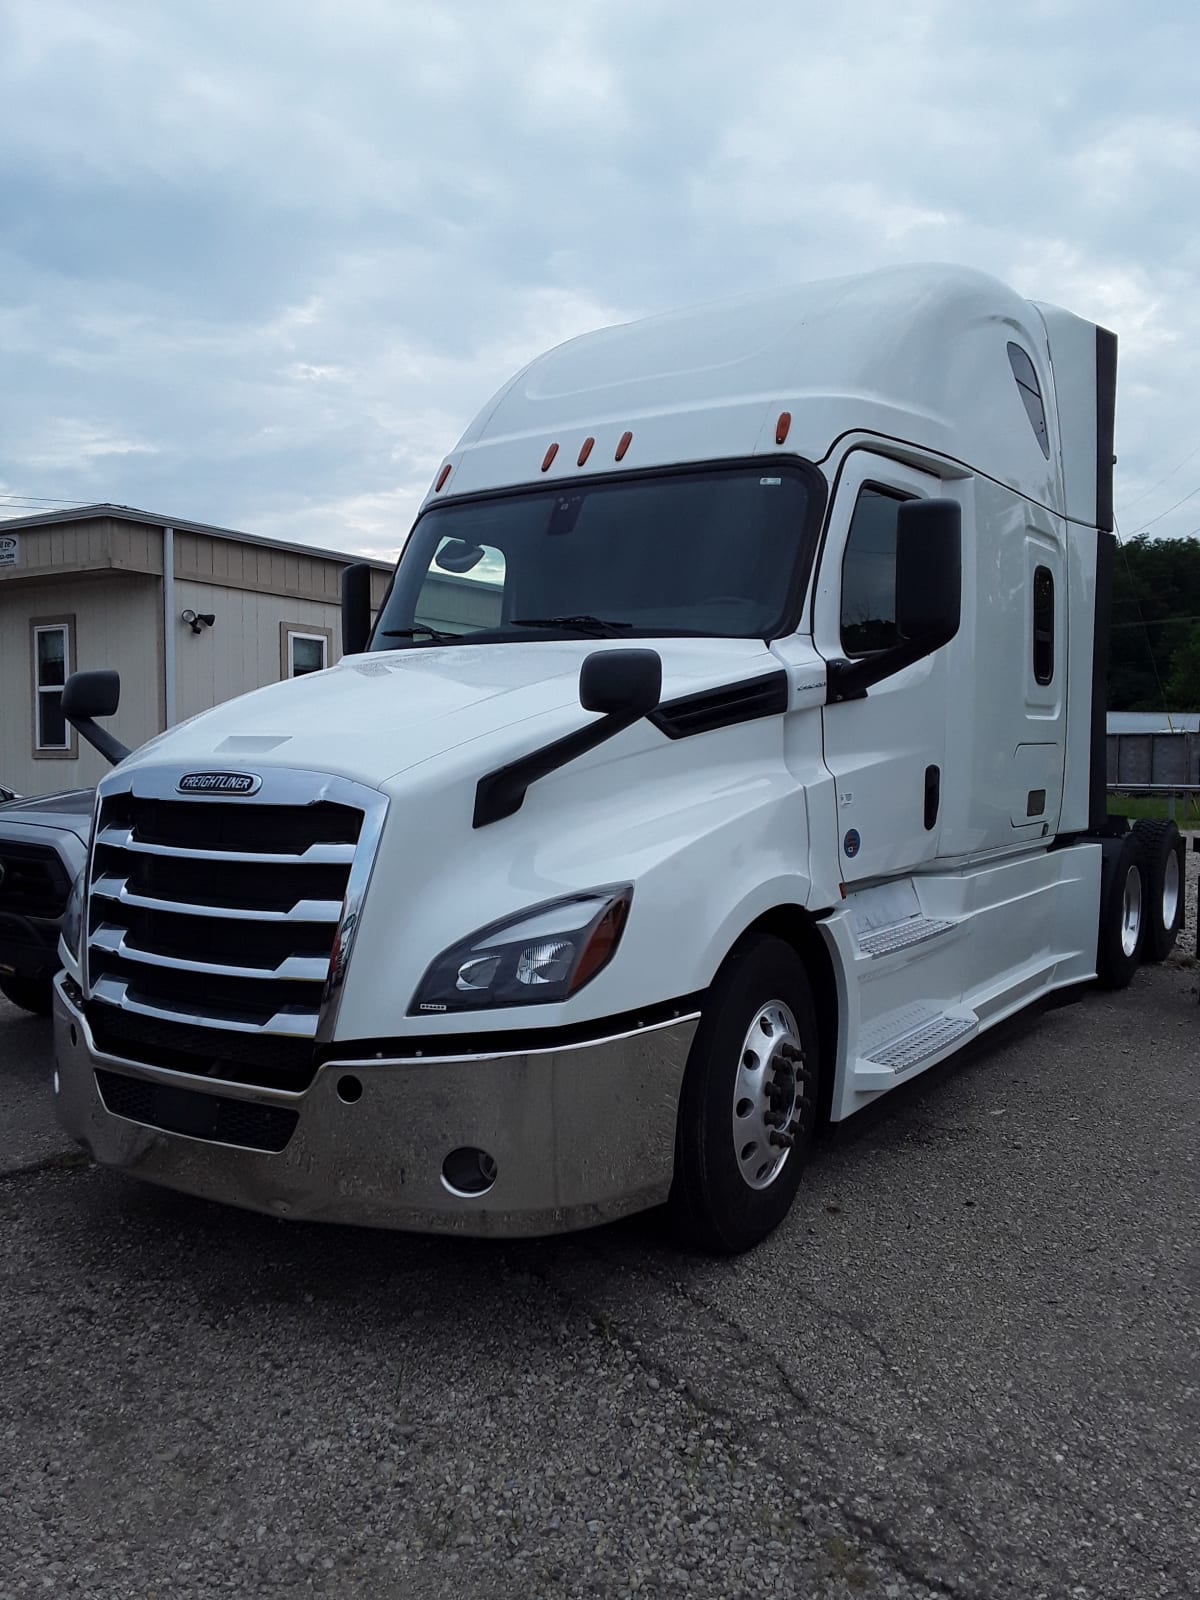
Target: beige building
[188,615]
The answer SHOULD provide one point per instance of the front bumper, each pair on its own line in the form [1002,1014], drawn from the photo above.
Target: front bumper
[580,1135]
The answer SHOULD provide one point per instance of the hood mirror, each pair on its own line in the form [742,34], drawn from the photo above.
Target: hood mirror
[456,555]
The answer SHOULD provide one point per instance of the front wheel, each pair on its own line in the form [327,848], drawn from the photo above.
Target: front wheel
[749,1100]
[31,994]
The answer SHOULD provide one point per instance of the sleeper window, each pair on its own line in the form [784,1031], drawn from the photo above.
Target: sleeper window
[1031,395]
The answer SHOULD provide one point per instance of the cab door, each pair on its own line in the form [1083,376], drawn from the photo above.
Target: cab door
[886,751]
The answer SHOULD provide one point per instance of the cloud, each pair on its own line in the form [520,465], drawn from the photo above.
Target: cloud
[260,265]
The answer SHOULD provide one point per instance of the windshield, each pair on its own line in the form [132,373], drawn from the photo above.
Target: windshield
[715,551]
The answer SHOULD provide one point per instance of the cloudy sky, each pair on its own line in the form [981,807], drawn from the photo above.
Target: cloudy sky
[260,262]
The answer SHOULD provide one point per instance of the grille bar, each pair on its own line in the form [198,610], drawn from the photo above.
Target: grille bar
[292,1022]
[297,969]
[315,855]
[112,888]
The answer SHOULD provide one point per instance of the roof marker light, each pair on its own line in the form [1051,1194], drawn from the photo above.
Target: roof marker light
[626,441]
[585,450]
[549,457]
[782,426]
[441,478]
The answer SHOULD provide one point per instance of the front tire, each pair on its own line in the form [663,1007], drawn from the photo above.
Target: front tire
[749,1100]
[31,994]
[1166,874]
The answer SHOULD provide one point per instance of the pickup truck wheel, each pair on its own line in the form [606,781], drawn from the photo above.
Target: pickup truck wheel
[1122,914]
[31,994]
[1166,874]
[749,1100]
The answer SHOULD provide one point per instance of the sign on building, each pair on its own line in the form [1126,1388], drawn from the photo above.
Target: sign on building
[10,549]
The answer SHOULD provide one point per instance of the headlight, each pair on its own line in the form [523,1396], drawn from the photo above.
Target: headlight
[72,922]
[544,954]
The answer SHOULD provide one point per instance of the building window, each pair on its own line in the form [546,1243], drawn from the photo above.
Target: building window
[869,574]
[1031,395]
[304,649]
[1043,625]
[53,649]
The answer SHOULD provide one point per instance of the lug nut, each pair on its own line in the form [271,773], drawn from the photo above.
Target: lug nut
[784,1140]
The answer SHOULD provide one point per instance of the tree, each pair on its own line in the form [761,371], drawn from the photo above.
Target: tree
[1183,685]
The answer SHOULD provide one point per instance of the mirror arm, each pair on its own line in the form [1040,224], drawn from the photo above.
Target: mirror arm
[501,793]
[850,680]
[99,738]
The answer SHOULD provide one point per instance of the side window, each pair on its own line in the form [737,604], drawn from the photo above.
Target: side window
[1043,625]
[463,589]
[869,573]
[1031,395]
[52,653]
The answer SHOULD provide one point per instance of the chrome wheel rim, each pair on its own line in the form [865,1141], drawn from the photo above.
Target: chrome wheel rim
[1170,892]
[1131,912]
[768,1095]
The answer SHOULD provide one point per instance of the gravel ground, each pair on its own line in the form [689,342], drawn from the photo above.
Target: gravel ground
[968,1365]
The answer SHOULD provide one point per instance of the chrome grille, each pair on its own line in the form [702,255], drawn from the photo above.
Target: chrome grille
[33,880]
[212,920]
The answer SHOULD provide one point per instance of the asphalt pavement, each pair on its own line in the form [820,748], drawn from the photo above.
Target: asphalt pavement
[967,1366]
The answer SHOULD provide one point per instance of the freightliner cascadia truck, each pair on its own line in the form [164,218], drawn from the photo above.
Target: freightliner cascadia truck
[728,750]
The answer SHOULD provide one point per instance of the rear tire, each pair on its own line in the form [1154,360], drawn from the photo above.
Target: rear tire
[1122,912]
[749,1100]
[31,994]
[1166,878]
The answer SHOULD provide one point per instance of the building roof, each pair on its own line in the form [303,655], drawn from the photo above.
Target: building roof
[153,519]
[1154,722]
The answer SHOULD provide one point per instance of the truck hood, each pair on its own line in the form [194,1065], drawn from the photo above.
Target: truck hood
[373,717]
[70,811]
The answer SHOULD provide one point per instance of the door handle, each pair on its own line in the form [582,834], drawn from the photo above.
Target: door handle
[933,796]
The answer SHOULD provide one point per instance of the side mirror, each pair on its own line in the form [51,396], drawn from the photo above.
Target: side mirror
[356,607]
[929,572]
[87,695]
[623,683]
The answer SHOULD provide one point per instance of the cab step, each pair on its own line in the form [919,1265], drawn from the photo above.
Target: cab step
[914,1050]
[902,935]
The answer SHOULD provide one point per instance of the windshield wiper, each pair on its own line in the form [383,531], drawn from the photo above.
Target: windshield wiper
[438,634]
[580,624]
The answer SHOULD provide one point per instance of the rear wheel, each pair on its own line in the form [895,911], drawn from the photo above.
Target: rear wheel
[1122,913]
[749,1100]
[1162,848]
[31,994]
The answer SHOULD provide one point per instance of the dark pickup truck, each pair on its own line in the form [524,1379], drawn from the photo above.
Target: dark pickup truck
[43,845]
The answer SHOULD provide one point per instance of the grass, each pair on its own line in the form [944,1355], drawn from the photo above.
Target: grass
[1154,808]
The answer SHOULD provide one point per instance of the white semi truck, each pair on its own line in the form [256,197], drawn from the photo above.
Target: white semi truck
[728,750]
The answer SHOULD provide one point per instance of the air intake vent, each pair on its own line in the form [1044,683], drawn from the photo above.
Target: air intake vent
[764,696]
[200,1116]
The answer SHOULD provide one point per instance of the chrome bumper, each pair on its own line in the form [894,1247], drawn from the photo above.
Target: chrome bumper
[580,1135]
